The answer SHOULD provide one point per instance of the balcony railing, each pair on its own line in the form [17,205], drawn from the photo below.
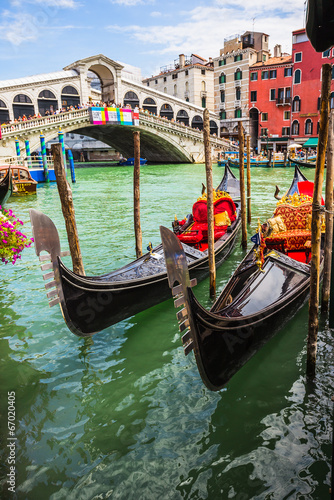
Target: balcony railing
[222,86]
[204,93]
[237,83]
[283,101]
[237,103]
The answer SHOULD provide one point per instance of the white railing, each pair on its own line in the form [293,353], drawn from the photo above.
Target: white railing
[69,116]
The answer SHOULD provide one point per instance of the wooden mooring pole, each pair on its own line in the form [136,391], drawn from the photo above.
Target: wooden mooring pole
[242,185]
[313,322]
[209,190]
[67,206]
[249,211]
[326,285]
[136,193]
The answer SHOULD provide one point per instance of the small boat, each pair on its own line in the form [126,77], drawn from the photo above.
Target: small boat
[253,163]
[6,185]
[23,183]
[91,303]
[130,161]
[226,156]
[267,288]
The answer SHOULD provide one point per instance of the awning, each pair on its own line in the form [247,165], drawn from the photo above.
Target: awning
[311,143]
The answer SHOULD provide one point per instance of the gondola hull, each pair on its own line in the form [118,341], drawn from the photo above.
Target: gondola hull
[301,163]
[91,304]
[6,187]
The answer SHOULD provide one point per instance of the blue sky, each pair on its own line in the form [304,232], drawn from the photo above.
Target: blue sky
[39,36]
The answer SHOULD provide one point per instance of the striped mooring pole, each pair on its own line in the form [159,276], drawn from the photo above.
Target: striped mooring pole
[28,153]
[71,162]
[44,158]
[17,146]
[61,141]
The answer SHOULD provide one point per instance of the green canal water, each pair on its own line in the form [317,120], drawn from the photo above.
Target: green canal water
[124,415]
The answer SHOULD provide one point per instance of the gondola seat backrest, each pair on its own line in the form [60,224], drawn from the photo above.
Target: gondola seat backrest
[220,205]
[294,217]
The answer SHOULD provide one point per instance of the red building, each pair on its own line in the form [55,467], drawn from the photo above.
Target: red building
[270,102]
[306,87]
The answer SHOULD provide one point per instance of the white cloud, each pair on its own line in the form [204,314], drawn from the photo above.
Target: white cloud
[18,28]
[128,3]
[62,4]
[205,27]
[156,14]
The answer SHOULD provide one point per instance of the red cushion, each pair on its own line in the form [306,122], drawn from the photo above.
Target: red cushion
[200,213]
[191,237]
[225,205]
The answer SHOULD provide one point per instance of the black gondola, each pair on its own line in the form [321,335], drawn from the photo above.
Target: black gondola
[90,304]
[302,163]
[262,294]
[6,187]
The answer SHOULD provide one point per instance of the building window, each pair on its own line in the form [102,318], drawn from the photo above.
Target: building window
[333,70]
[264,57]
[264,132]
[308,127]
[295,128]
[285,131]
[296,104]
[332,100]
[287,72]
[238,93]
[186,72]
[223,115]
[264,117]
[187,86]
[238,74]
[287,94]
[238,57]
[273,74]
[222,96]
[272,94]
[298,76]
[298,56]
[253,76]
[203,102]
[318,103]
[203,86]
[222,62]
[165,78]
[165,90]
[175,90]
[264,75]
[222,78]
[253,96]
[286,115]
[148,84]
[203,71]
[327,53]
[156,81]
[237,113]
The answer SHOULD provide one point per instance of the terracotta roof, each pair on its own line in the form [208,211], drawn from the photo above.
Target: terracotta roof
[273,61]
[199,57]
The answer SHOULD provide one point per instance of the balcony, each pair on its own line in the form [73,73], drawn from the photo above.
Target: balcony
[222,86]
[186,94]
[222,106]
[283,101]
[203,93]
[237,104]
[248,41]
[237,83]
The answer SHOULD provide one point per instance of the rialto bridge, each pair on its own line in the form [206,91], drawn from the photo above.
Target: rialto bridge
[171,128]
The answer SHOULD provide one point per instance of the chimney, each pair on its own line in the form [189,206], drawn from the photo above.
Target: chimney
[182,60]
[277,51]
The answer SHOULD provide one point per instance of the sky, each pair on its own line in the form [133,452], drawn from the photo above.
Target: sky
[41,36]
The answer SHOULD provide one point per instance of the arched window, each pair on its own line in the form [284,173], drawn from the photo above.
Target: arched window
[165,90]
[69,90]
[222,96]
[197,122]
[132,99]
[150,105]
[295,127]
[222,78]
[182,117]
[47,102]
[69,96]
[237,113]
[187,86]
[238,74]
[308,126]
[167,111]
[203,86]
[203,101]
[22,98]
[297,76]
[4,113]
[22,105]
[296,104]
[213,127]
